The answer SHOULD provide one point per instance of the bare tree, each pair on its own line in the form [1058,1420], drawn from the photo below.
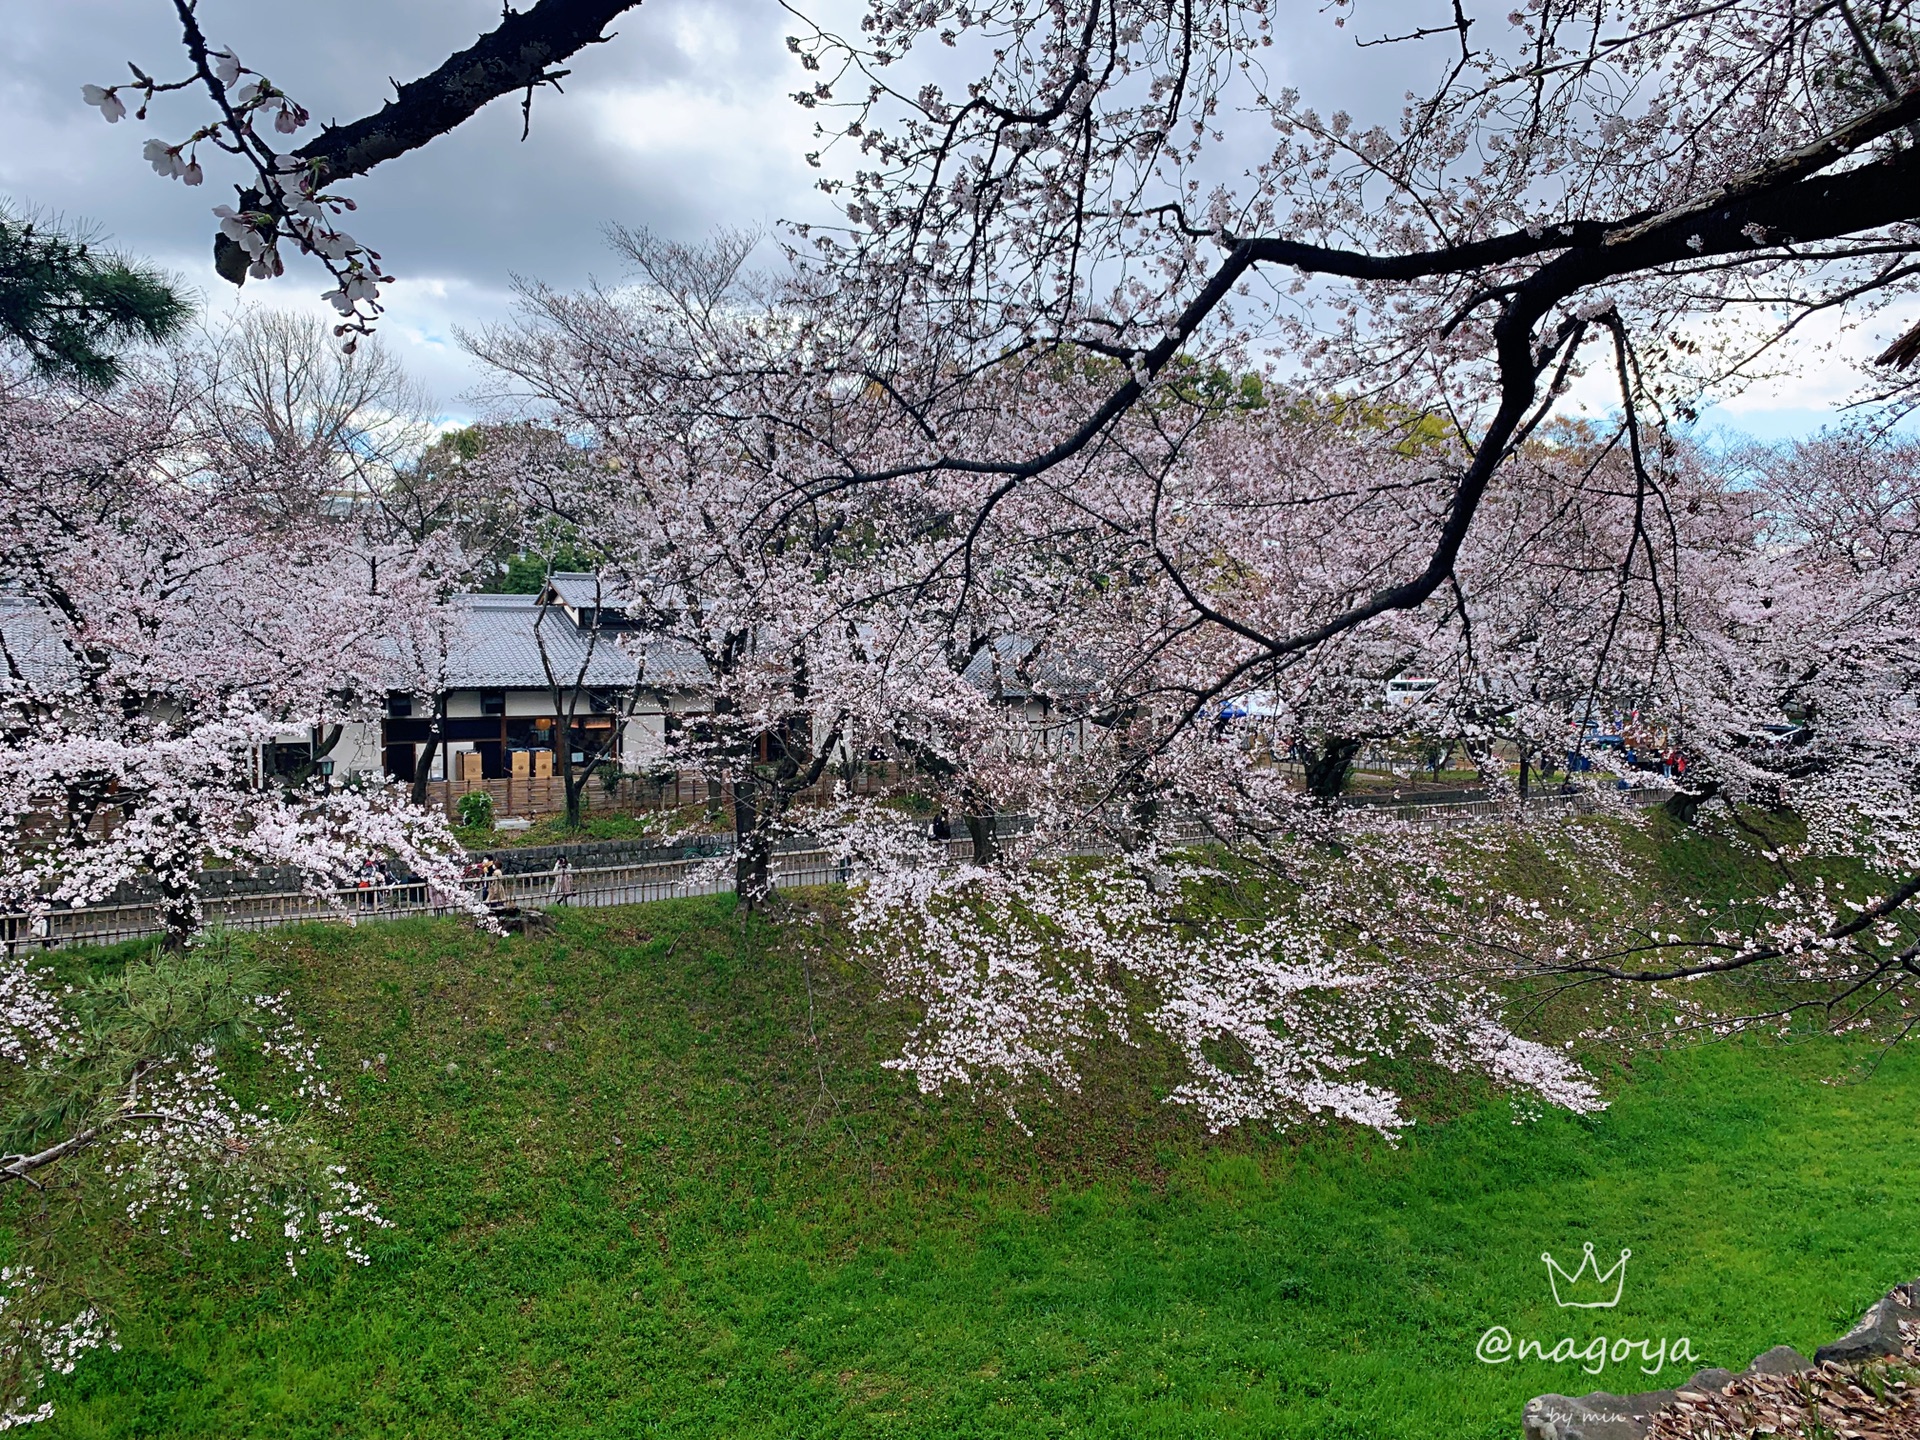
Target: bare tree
[278,408]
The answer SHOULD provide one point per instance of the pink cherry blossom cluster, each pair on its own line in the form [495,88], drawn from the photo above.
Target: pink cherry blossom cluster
[285,197]
[39,1345]
[164,623]
[198,1157]
[1020,974]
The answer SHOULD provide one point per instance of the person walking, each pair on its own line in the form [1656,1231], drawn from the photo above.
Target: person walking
[562,881]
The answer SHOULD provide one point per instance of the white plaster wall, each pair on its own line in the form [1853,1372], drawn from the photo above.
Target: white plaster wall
[643,739]
[358,748]
[539,702]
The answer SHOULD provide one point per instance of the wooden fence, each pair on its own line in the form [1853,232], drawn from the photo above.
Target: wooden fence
[532,796]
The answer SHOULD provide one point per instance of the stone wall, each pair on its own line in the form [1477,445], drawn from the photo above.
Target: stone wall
[1603,1416]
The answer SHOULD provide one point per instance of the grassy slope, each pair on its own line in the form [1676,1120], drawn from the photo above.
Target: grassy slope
[670,1213]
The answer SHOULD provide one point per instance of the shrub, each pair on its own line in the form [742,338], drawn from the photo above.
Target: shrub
[476,810]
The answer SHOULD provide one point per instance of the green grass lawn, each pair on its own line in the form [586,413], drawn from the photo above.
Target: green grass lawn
[594,825]
[637,1191]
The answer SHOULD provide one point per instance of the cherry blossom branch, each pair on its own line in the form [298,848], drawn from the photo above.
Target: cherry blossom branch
[288,196]
[1890,903]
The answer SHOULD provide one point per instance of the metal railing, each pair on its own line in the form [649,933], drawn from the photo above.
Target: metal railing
[585,888]
[593,887]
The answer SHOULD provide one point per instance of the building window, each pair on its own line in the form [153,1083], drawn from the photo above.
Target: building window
[399,704]
[493,702]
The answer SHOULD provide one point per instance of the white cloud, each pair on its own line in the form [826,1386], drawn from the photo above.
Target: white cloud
[1798,386]
[730,154]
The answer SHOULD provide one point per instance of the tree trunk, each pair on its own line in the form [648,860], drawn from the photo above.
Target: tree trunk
[179,912]
[563,763]
[1143,814]
[753,814]
[1328,767]
[1526,775]
[423,766]
[177,873]
[1684,805]
[985,837]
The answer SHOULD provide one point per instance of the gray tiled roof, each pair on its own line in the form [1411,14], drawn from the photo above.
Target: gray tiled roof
[32,644]
[672,665]
[500,648]
[583,590]
[1017,668]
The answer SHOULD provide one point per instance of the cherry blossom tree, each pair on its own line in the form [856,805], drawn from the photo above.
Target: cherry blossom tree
[909,614]
[1248,522]
[678,484]
[1816,628]
[162,627]
[123,1110]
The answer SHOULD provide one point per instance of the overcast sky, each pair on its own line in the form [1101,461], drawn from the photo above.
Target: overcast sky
[681,124]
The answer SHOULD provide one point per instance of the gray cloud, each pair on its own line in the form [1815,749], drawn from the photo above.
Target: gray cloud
[681,123]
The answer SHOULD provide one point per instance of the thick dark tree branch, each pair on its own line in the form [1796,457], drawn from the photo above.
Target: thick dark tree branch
[513,58]
[1887,905]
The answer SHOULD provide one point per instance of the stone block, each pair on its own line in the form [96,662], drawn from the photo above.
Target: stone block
[1878,1333]
[1780,1360]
